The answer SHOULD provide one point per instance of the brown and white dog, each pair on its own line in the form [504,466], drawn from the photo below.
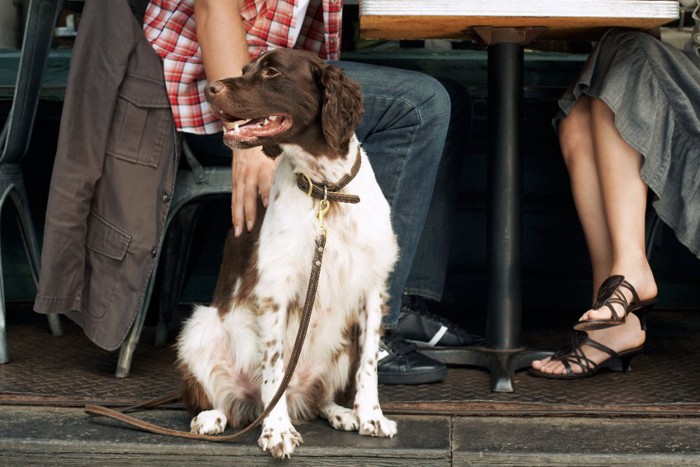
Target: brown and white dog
[233,353]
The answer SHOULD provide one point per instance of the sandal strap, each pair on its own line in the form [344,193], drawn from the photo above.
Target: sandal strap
[603,348]
[577,337]
[610,294]
[578,356]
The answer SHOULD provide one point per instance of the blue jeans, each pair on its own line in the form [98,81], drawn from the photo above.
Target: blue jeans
[406,120]
[427,277]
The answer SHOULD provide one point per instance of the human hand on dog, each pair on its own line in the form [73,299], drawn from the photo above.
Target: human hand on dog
[252,173]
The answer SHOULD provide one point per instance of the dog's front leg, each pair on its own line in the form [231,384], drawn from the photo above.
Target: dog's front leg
[279,436]
[369,413]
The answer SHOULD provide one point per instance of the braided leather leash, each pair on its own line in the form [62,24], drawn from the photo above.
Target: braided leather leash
[324,193]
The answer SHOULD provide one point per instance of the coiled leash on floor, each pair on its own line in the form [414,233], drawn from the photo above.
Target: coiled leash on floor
[322,192]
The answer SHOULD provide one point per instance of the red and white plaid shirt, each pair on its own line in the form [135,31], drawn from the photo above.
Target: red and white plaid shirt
[170,28]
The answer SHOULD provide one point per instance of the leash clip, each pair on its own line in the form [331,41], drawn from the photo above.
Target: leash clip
[323,206]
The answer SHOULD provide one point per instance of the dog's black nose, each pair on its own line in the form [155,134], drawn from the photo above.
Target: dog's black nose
[215,87]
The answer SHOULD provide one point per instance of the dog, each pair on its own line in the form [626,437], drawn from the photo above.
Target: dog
[233,353]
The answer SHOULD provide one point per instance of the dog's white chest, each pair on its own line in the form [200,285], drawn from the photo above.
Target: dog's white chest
[360,246]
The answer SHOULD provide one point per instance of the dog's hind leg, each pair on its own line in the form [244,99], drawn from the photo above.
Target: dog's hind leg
[207,362]
[209,422]
[367,410]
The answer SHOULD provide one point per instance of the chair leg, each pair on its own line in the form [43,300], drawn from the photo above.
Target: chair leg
[4,352]
[128,347]
[31,246]
[16,193]
[173,267]
[216,183]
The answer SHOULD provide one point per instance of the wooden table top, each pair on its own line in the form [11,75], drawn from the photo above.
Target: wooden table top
[455,19]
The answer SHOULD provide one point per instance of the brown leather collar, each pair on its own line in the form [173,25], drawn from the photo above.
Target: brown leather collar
[331,191]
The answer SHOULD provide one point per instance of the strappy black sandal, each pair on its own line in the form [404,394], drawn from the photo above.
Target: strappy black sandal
[611,293]
[574,354]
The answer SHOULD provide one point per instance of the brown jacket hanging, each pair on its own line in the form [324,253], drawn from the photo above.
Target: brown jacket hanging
[112,180]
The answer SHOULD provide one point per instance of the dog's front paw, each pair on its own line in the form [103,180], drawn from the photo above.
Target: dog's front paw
[280,440]
[209,422]
[344,420]
[378,426]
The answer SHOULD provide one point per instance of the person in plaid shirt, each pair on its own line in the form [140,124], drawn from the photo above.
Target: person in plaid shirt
[404,130]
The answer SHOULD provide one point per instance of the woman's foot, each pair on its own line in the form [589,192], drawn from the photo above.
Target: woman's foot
[619,339]
[637,286]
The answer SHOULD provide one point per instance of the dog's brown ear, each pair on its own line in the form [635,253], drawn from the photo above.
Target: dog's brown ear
[342,107]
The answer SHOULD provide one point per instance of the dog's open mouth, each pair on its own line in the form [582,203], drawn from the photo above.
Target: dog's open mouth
[248,129]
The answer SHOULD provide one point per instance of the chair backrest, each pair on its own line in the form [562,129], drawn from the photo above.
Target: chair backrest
[38,32]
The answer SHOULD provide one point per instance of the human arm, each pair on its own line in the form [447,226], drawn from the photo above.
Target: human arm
[222,40]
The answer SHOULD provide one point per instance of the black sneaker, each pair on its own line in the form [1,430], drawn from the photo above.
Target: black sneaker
[418,325]
[400,363]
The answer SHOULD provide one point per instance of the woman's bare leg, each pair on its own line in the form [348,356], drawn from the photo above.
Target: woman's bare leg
[625,200]
[612,217]
[577,149]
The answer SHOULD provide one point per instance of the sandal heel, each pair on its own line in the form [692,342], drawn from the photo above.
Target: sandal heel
[618,364]
[625,362]
[626,357]
[642,314]
[621,364]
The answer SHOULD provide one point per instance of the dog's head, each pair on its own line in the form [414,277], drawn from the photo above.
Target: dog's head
[288,96]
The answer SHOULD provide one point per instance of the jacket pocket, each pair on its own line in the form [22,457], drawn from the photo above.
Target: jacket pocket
[142,118]
[106,249]
[106,239]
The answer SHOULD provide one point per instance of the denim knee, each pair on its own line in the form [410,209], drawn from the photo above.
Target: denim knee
[430,99]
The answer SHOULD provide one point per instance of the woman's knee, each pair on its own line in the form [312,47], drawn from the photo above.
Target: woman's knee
[642,39]
[575,132]
[599,110]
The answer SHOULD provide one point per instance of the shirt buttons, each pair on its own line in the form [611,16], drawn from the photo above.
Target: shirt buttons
[165,198]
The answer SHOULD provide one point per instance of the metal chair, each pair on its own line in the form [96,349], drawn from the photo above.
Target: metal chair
[193,188]
[15,137]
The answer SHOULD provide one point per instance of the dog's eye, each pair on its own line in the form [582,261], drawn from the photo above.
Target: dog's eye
[270,72]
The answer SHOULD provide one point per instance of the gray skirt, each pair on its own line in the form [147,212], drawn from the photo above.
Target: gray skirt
[654,91]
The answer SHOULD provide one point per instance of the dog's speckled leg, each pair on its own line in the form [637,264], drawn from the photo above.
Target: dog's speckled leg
[278,434]
[367,409]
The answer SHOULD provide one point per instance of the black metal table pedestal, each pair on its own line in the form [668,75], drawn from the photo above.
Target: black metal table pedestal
[502,353]
[501,363]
